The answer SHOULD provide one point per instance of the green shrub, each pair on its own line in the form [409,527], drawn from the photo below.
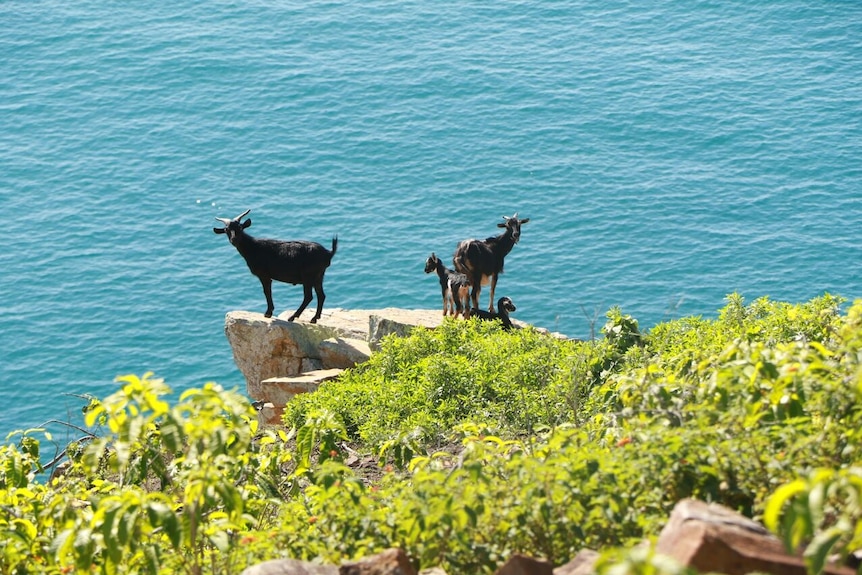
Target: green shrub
[513,382]
[497,442]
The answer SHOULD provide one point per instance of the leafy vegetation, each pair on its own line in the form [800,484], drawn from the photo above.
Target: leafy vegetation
[489,443]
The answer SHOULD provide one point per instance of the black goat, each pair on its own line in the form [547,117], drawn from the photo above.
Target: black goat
[453,285]
[293,262]
[504,307]
[482,260]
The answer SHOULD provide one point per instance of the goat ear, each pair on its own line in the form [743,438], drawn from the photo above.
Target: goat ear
[501,225]
[219,230]
[246,224]
[524,221]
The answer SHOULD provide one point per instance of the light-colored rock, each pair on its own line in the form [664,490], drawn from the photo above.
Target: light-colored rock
[400,322]
[583,564]
[290,567]
[710,537]
[346,323]
[280,390]
[389,562]
[344,353]
[272,347]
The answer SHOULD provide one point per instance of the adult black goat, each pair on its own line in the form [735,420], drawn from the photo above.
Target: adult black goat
[293,262]
[453,285]
[504,307]
[482,260]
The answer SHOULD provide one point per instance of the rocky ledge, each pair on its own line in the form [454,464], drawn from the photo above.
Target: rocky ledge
[280,359]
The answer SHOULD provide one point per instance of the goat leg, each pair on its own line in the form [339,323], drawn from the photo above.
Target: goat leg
[474,293]
[318,289]
[493,287]
[267,291]
[306,299]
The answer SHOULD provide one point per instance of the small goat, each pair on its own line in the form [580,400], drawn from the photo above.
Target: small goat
[504,307]
[453,285]
[293,262]
[482,260]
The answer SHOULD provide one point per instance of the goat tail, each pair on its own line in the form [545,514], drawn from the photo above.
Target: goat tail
[334,247]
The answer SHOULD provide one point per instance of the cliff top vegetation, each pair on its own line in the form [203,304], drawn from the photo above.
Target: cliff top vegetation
[481,443]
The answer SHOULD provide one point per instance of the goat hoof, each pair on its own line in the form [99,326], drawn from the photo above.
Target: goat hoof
[268,314]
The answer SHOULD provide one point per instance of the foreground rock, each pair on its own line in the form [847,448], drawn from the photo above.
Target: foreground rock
[389,562]
[523,565]
[706,537]
[713,538]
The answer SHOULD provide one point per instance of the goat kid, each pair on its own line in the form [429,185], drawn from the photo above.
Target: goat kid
[482,260]
[293,262]
[453,285]
[504,307]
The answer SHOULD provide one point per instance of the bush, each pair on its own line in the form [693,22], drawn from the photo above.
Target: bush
[497,442]
[512,382]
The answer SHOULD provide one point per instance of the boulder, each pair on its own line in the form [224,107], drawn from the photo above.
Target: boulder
[264,348]
[272,347]
[709,537]
[399,322]
[523,565]
[583,564]
[389,562]
[280,390]
[344,352]
[289,567]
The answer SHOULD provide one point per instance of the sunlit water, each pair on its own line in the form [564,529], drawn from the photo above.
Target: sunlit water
[666,154]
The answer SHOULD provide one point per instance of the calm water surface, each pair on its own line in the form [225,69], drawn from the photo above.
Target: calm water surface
[666,154]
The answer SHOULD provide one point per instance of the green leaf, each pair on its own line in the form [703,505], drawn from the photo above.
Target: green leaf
[821,546]
[304,446]
[776,502]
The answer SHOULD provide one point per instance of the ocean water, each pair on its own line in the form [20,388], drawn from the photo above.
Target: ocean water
[666,153]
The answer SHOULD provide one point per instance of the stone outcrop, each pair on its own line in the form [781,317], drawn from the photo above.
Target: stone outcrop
[280,359]
[274,347]
[280,390]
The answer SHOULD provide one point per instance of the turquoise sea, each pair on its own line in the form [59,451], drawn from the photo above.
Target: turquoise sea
[666,153]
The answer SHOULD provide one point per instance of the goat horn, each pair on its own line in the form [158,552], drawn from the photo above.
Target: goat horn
[225,221]
[244,214]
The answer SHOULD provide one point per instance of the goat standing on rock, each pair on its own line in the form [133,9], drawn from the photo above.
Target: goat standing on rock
[293,262]
[482,260]
[453,285]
